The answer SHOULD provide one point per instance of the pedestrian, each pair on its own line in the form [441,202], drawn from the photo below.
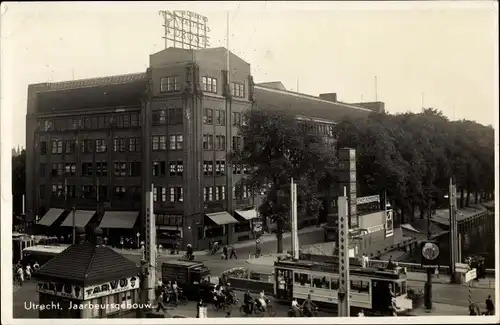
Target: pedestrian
[28,272]
[199,305]
[390,264]
[175,289]
[233,253]
[436,272]
[161,303]
[20,275]
[224,251]
[490,308]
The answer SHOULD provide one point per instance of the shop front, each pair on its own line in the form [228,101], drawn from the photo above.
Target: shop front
[169,230]
[247,221]
[88,280]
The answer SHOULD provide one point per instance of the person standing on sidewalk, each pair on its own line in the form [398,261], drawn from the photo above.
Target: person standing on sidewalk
[224,251]
[233,253]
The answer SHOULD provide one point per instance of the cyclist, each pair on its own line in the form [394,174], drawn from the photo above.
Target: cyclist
[295,307]
[248,301]
[308,306]
[262,301]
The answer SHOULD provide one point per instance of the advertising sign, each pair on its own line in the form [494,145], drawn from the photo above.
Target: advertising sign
[60,289]
[430,254]
[389,223]
[111,287]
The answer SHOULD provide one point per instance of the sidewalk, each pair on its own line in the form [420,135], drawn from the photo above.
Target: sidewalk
[266,238]
[488,283]
[440,310]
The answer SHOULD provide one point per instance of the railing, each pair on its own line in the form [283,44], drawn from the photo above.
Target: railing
[415,267]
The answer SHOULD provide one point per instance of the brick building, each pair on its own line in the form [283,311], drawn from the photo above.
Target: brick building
[98,145]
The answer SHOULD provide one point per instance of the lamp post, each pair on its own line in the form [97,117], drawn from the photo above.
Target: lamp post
[428,283]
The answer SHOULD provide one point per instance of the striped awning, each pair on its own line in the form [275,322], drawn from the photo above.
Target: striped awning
[82,217]
[50,217]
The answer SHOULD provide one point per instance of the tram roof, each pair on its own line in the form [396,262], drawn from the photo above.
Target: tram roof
[396,273]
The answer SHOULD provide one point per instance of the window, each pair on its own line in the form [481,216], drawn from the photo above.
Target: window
[57,169]
[176,194]
[158,168]
[360,286]
[101,145]
[159,117]
[207,194]
[208,118]
[176,168]
[237,169]
[208,167]
[122,121]
[134,144]
[135,169]
[334,285]
[118,144]
[174,116]
[238,89]
[236,143]
[170,83]
[220,142]
[246,170]
[70,169]
[42,170]
[86,146]
[70,146]
[246,191]
[120,168]
[71,190]
[86,169]
[302,279]
[160,194]
[134,119]
[159,142]
[48,125]
[43,147]
[57,146]
[209,84]
[101,169]
[57,190]
[120,192]
[220,167]
[220,193]
[320,282]
[220,118]
[208,142]
[236,118]
[87,191]
[176,142]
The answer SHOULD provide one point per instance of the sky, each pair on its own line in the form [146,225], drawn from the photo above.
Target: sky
[438,54]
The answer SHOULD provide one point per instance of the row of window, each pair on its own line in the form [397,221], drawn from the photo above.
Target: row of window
[170,83]
[122,120]
[168,194]
[176,168]
[133,144]
[220,117]
[208,84]
[170,116]
[316,281]
[101,169]
[320,129]
[175,142]
[168,220]
[91,192]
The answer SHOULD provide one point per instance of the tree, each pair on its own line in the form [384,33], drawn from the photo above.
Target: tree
[18,180]
[278,147]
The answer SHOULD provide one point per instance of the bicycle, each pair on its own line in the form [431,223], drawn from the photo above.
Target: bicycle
[258,311]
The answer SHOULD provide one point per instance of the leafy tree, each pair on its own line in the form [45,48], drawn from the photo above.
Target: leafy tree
[277,148]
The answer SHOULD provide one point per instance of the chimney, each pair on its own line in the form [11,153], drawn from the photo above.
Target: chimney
[80,235]
[331,97]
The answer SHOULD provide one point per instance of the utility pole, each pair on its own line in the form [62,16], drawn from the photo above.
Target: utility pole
[343,251]
[453,233]
[428,283]
[293,218]
[150,245]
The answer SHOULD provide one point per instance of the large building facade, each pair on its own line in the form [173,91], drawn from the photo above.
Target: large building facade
[98,144]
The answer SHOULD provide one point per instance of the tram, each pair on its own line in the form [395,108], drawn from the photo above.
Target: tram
[41,253]
[371,289]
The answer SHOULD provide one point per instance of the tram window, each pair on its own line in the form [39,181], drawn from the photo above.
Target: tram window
[360,286]
[319,282]
[335,284]
[302,279]
[403,287]
[397,289]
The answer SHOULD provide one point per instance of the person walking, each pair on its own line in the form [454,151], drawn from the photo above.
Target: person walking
[224,252]
[233,253]
[161,304]
[28,272]
[490,307]
[199,305]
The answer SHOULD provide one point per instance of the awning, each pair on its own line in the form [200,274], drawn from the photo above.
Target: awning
[82,217]
[119,219]
[247,214]
[51,216]
[221,218]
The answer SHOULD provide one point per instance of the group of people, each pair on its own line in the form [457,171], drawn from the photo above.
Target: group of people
[23,272]
[227,252]
[166,293]
[223,295]
[249,302]
[306,309]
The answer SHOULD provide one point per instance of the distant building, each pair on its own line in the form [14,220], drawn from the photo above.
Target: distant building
[98,144]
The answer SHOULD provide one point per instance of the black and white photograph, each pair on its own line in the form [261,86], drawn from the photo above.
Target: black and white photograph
[258,161]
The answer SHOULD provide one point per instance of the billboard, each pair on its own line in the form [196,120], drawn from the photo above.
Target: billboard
[185,29]
[389,223]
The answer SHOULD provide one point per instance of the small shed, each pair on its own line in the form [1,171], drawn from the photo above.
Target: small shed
[88,280]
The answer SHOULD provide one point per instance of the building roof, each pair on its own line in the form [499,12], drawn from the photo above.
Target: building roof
[97,81]
[305,105]
[88,263]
